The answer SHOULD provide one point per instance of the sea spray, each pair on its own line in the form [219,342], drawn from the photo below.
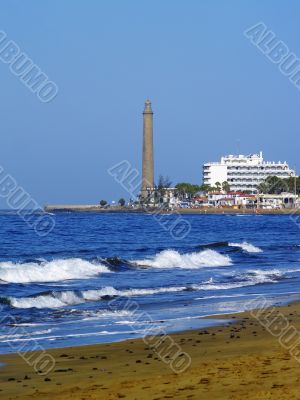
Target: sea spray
[173,259]
[50,271]
[248,247]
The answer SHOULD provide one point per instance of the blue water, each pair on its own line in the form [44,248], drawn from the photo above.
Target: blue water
[106,277]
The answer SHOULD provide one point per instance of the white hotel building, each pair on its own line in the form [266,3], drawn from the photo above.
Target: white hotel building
[244,172]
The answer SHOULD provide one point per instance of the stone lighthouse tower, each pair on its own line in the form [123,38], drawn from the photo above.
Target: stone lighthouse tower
[148,168]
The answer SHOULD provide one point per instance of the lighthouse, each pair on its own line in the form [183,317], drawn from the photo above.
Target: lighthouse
[148,163]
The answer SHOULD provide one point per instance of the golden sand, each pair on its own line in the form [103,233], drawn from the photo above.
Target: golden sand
[240,360]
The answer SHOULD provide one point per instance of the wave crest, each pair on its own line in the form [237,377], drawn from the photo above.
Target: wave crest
[49,271]
[248,247]
[70,297]
[173,259]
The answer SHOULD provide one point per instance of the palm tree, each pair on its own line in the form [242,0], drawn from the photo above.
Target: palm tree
[163,184]
[218,185]
[225,186]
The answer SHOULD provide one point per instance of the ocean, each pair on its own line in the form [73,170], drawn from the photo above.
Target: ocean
[108,277]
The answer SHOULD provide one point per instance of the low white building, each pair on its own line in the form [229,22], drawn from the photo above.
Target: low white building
[244,172]
[232,199]
[277,201]
[169,197]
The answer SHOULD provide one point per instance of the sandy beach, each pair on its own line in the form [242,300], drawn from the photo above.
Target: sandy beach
[240,360]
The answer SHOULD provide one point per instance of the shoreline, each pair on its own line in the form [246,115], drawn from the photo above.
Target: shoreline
[56,209]
[239,359]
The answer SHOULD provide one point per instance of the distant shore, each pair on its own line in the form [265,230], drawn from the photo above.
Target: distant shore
[240,360]
[202,210]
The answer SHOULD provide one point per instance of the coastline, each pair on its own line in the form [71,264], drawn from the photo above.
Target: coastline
[240,359]
[202,211]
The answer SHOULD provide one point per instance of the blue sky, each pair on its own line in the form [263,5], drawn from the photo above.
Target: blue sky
[212,91]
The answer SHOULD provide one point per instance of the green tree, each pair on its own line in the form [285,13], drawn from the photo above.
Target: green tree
[205,188]
[103,203]
[218,185]
[225,186]
[164,183]
[262,187]
[188,189]
[275,185]
[122,202]
[293,184]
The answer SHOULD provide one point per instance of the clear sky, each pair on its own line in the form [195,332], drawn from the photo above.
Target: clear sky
[212,91]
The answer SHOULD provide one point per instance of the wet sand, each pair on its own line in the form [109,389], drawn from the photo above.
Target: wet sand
[240,360]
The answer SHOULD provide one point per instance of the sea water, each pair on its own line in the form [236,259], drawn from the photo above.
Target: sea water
[108,277]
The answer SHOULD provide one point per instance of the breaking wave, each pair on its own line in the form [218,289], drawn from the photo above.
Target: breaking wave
[68,298]
[248,247]
[213,244]
[250,278]
[49,271]
[173,259]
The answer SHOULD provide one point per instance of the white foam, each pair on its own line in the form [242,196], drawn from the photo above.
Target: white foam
[27,324]
[262,276]
[67,298]
[248,247]
[224,296]
[46,301]
[24,334]
[222,286]
[51,271]
[93,295]
[125,322]
[250,278]
[105,314]
[173,259]
[97,294]
[73,335]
